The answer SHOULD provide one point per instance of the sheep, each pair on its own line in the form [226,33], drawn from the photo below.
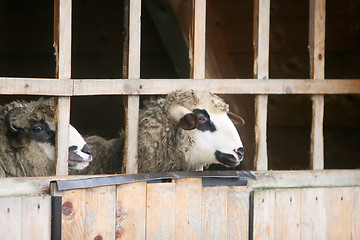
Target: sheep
[187,131]
[27,140]
[107,155]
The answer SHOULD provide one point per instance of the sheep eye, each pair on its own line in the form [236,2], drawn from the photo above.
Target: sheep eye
[202,118]
[37,129]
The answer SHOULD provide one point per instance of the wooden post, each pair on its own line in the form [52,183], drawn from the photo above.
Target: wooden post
[317,63]
[62,44]
[132,102]
[261,71]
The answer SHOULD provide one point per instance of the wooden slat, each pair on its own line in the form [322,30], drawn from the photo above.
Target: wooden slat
[73,214]
[261,71]
[338,218]
[160,217]
[100,213]
[188,208]
[238,212]
[214,212]
[199,39]
[131,211]
[313,213]
[35,217]
[132,102]
[10,218]
[264,212]
[355,214]
[62,38]
[318,178]
[287,214]
[317,71]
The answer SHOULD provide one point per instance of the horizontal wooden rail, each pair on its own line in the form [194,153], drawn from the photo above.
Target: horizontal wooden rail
[82,87]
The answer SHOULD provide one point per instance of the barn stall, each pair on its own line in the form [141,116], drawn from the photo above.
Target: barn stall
[270,85]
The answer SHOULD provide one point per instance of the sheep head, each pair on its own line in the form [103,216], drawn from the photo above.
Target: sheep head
[34,121]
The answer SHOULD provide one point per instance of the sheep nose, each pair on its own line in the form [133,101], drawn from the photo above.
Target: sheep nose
[86,149]
[240,153]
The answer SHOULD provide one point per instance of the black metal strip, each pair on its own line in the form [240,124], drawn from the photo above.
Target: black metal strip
[218,181]
[132,178]
[251,215]
[56,202]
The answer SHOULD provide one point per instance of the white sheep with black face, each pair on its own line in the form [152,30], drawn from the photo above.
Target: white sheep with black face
[27,140]
[188,131]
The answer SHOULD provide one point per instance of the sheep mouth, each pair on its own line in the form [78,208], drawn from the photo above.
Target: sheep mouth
[227,159]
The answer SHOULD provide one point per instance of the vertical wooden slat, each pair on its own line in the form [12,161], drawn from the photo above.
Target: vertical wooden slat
[261,71]
[355,214]
[199,39]
[10,218]
[62,44]
[132,102]
[287,213]
[100,213]
[339,206]
[160,218]
[313,213]
[131,211]
[188,208]
[214,212]
[73,214]
[35,217]
[264,214]
[238,213]
[317,63]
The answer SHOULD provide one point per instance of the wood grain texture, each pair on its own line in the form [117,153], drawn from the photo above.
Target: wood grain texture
[73,214]
[214,212]
[100,213]
[36,217]
[131,211]
[188,208]
[317,71]
[199,39]
[160,217]
[287,214]
[261,71]
[238,212]
[313,213]
[355,214]
[10,216]
[264,212]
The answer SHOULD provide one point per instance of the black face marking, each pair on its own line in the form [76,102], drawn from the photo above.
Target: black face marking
[205,123]
[226,159]
[41,132]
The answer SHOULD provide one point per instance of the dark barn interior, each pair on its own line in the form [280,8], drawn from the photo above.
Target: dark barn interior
[26,50]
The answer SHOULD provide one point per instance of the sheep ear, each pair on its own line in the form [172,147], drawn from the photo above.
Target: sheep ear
[189,121]
[183,117]
[236,119]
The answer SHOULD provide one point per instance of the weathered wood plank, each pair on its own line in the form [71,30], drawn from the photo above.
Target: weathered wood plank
[132,102]
[188,208]
[287,214]
[73,214]
[355,214]
[297,179]
[62,44]
[131,211]
[199,39]
[264,214]
[214,212]
[10,218]
[317,70]
[160,217]
[100,213]
[238,213]
[35,217]
[313,213]
[261,71]
[338,218]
